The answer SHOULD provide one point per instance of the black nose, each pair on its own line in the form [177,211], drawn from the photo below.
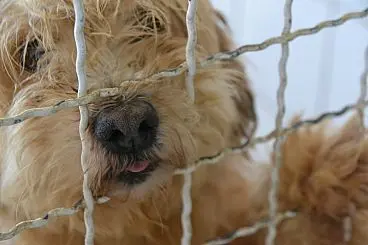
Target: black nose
[128,128]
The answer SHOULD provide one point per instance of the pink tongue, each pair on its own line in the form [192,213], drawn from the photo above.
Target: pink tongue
[138,166]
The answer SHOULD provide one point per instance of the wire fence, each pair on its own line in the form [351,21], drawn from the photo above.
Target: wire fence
[190,66]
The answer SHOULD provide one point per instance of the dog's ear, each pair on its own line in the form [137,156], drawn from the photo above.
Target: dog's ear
[246,107]
[243,96]
[244,101]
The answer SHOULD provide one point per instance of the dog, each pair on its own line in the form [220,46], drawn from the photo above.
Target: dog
[136,141]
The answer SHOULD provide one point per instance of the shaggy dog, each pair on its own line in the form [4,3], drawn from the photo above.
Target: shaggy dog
[135,141]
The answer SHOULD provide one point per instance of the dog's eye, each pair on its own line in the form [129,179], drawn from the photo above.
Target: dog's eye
[30,54]
[147,24]
[152,23]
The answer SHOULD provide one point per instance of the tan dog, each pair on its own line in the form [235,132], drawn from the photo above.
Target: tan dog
[137,140]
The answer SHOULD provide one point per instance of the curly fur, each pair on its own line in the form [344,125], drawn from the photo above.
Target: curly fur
[323,176]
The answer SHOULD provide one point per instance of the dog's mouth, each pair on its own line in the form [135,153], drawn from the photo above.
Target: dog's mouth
[137,172]
[138,167]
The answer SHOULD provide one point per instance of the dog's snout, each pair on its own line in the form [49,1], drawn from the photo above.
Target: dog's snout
[127,128]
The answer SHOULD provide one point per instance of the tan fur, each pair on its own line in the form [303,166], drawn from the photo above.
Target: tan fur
[323,176]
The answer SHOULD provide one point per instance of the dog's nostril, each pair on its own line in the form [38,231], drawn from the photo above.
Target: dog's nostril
[127,128]
[144,127]
[116,135]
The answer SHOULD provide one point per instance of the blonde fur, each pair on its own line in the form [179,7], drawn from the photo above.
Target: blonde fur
[322,176]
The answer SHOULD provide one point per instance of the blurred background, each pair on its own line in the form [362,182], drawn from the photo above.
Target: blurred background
[324,69]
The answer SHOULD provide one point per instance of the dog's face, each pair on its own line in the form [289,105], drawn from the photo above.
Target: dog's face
[135,140]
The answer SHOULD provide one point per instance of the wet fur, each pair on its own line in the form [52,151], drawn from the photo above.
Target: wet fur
[323,175]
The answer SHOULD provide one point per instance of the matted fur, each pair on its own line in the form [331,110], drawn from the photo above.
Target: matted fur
[323,176]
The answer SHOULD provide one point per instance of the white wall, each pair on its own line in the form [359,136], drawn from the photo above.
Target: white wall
[323,70]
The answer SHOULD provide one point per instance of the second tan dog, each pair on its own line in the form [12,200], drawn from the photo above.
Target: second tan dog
[137,140]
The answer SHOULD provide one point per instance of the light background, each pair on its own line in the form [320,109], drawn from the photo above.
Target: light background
[323,70]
